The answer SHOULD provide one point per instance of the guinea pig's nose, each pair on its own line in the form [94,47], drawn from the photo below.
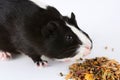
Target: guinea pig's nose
[88,47]
[87,50]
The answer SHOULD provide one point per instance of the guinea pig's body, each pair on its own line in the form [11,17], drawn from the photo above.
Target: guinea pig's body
[39,30]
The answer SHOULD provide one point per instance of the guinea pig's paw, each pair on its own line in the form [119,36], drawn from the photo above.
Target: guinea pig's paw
[5,55]
[42,63]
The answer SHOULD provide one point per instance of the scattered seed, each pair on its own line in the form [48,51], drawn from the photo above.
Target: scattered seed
[106,47]
[112,49]
[81,59]
[61,74]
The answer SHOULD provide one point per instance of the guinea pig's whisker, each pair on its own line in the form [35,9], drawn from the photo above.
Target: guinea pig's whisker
[70,49]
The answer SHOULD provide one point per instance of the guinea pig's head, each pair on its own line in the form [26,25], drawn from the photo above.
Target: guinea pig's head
[63,39]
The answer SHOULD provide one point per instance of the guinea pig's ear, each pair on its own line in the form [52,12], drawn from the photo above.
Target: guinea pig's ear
[72,16]
[50,29]
[73,19]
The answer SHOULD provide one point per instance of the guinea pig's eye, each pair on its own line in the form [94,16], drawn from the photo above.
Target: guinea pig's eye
[69,38]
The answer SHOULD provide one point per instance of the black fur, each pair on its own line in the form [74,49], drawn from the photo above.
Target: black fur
[27,28]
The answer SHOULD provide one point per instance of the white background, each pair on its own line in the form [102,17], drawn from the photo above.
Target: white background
[99,18]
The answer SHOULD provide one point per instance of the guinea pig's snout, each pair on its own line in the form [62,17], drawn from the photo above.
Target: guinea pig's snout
[88,47]
[87,50]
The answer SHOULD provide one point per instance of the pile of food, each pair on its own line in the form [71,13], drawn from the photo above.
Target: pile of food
[99,68]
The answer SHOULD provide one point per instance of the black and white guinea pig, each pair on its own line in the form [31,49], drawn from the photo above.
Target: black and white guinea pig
[29,27]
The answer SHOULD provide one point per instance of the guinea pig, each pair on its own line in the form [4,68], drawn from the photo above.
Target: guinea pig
[29,27]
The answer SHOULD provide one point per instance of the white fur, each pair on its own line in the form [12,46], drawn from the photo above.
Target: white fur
[39,3]
[80,35]
[85,40]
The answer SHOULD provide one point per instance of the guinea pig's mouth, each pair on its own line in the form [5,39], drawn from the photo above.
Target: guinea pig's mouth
[68,52]
[74,52]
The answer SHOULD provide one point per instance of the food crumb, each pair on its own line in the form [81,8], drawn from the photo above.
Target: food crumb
[112,49]
[61,74]
[95,69]
[106,47]
[80,59]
